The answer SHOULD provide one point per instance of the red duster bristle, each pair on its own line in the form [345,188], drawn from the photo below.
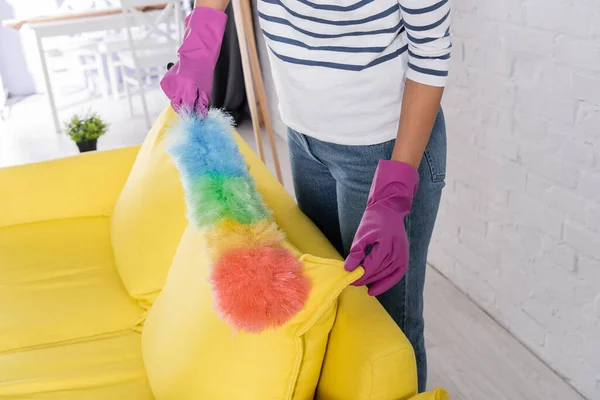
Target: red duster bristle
[258,288]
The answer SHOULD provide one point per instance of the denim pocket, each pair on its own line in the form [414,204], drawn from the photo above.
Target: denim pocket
[435,152]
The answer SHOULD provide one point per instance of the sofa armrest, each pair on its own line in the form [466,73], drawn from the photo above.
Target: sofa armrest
[368,357]
[80,186]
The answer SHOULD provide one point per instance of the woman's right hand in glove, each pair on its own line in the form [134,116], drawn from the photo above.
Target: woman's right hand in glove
[188,83]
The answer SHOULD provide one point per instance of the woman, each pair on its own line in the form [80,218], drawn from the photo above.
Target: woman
[359,84]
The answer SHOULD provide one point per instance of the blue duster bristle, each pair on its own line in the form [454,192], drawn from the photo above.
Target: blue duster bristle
[203,146]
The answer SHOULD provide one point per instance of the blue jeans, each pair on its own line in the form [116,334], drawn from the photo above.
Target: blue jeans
[332,184]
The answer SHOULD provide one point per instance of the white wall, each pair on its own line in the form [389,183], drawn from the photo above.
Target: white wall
[14,61]
[519,228]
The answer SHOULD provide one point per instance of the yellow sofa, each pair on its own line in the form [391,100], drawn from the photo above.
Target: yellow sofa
[70,328]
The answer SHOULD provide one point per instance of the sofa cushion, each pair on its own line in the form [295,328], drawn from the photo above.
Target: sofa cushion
[99,368]
[149,218]
[190,353]
[58,282]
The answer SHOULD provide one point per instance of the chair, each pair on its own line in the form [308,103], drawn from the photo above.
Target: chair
[78,55]
[149,51]
[80,52]
[72,331]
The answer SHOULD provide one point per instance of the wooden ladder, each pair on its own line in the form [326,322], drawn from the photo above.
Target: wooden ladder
[255,86]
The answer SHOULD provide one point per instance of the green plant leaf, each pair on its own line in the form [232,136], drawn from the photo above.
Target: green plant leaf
[85,128]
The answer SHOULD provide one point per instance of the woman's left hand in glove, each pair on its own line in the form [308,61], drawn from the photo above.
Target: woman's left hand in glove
[381,245]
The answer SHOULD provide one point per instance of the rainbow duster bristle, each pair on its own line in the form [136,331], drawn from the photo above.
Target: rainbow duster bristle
[257,284]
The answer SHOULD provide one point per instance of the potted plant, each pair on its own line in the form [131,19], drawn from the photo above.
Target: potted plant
[85,130]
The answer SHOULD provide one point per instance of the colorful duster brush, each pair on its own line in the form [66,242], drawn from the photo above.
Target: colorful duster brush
[256,283]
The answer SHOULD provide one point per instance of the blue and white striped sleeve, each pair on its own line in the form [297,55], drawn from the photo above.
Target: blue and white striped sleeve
[427,25]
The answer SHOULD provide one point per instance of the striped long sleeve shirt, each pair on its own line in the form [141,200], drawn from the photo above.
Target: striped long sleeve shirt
[339,66]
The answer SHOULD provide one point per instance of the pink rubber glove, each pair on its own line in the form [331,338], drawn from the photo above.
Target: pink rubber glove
[189,82]
[380,244]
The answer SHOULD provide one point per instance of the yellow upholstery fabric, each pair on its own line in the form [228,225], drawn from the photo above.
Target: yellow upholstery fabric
[84,186]
[149,218]
[362,325]
[106,367]
[79,252]
[190,353]
[58,282]
[152,206]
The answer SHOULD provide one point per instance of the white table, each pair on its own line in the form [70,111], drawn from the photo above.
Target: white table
[71,24]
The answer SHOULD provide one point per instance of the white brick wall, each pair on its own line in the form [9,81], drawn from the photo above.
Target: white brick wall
[519,227]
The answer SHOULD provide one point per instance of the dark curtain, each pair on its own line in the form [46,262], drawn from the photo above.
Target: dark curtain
[229,91]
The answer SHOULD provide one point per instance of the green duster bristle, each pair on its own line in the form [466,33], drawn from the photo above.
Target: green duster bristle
[212,198]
